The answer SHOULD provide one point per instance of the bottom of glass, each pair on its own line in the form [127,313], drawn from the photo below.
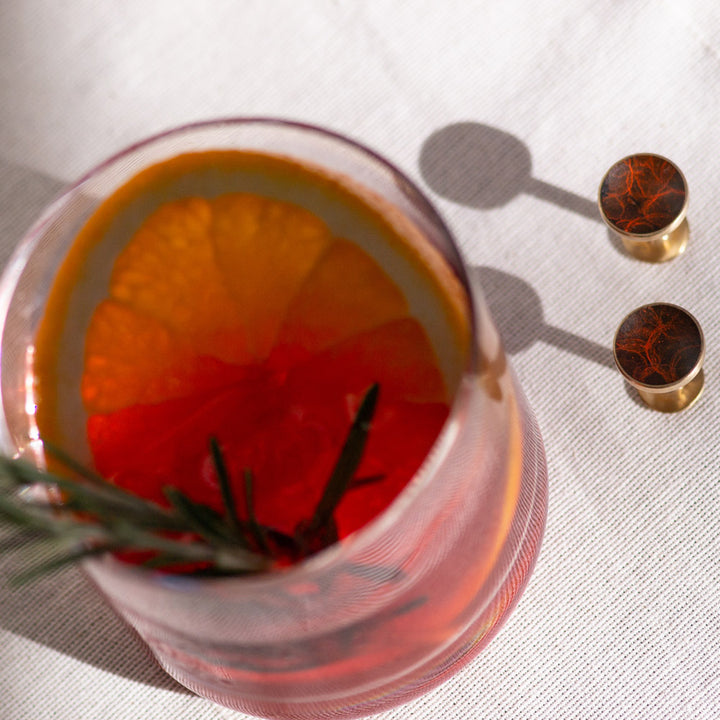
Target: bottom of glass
[420,679]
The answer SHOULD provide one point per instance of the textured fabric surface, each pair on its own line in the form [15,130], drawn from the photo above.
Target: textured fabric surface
[508,114]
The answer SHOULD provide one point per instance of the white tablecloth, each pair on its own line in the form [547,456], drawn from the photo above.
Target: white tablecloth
[621,618]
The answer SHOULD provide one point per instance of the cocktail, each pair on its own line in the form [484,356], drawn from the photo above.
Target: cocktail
[203,318]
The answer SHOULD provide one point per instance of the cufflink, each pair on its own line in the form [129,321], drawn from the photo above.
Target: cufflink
[659,349]
[643,199]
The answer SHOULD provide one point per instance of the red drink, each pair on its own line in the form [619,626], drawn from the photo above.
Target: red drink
[441,530]
[247,319]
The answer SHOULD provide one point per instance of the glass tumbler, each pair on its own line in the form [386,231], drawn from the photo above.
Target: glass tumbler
[398,606]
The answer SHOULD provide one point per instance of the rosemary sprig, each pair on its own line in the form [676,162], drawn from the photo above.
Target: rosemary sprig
[225,485]
[320,530]
[96,517]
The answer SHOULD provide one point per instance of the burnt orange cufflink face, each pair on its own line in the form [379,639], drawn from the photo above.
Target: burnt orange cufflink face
[659,349]
[643,198]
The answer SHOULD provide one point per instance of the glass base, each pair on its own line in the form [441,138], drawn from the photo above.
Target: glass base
[514,566]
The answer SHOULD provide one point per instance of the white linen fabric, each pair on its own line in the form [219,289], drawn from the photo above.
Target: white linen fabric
[508,114]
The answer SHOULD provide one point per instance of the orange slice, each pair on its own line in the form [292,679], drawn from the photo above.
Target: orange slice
[241,317]
[231,279]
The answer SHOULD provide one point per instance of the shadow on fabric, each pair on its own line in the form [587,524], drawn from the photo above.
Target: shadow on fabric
[482,167]
[518,314]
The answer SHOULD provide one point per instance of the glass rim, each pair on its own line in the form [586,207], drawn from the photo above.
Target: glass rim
[443,443]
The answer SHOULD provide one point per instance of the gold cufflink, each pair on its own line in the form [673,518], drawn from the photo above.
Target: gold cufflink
[643,199]
[659,349]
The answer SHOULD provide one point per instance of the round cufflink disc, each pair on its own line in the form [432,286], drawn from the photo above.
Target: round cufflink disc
[643,199]
[660,349]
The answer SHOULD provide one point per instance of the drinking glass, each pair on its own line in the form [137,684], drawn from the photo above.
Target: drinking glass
[398,606]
